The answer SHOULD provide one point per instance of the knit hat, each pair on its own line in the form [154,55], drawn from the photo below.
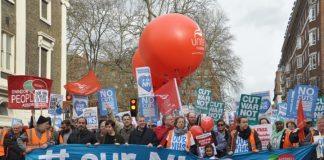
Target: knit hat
[42,120]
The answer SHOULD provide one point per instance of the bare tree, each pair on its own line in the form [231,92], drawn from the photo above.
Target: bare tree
[106,33]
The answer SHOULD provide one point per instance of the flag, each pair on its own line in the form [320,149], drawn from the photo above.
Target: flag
[85,86]
[234,123]
[301,121]
[168,97]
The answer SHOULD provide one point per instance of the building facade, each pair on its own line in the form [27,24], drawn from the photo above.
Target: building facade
[33,42]
[302,59]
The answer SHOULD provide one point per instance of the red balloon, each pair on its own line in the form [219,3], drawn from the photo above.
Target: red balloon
[172,45]
[196,131]
[136,62]
[157,82]
[207,123]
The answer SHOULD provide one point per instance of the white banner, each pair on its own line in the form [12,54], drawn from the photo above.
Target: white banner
[144,82]
[264,131]
[91,114]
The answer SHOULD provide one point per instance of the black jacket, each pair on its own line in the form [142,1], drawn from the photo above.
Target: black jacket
[143,137]
[11,148]
[82,137]
[113,139]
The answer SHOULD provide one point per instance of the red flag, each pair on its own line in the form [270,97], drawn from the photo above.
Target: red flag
[234,123]
[301,121]
[85,86]
[168,98]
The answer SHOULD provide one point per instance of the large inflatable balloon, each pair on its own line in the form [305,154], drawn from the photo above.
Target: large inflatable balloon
[136,62]
[207,123]
[172,45]
[196,131]
[157,82]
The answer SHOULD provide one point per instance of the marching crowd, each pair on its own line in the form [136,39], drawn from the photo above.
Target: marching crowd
[174,133]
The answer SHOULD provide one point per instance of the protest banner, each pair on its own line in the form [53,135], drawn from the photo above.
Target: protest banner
[107,98]
[282,109]
[249,107]
[202,141]
[309,96]
[91,114]
[168,97]
[265,109]
[23,89]
[203,100]
[290,101]
[264,132]
[16,120]
[148,108]
[299,153]
[41,98]
[318,110]
[79,103]
[142,152]
[108,152]
[216,110]
[320,146]
[56,104]
[144,82]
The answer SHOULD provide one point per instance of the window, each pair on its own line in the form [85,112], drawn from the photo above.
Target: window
[312,12]
[299,78]
[45,11]
[46,44]
[299,61]
[3,108]
[288,68]
[7,53]
[287,82]
[43,62]
[312,36]
[313,81]
[298,42]
[312,61]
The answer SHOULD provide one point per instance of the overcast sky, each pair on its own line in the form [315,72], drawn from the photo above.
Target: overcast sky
[258,27]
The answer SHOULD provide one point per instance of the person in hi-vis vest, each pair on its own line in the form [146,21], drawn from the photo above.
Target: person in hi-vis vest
[180,138]
[243,138]
[37,137]
[3,132]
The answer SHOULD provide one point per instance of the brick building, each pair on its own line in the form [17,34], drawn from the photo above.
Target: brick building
[32,42]
[302,59]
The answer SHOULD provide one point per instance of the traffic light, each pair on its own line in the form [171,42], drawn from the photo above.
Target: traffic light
[133,107]
[68,97]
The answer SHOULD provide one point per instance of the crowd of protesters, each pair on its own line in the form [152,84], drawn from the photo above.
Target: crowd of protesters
[174,133]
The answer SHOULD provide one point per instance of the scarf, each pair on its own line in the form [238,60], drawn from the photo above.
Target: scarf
[179,131]
[245,134]
[276,138]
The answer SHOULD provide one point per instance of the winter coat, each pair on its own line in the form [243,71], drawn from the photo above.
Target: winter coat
[143,137]
[82,137]
[12,150]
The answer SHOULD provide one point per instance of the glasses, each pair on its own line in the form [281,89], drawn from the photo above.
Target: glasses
[220,125]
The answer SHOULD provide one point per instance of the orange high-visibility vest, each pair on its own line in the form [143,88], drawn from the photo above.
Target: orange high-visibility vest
[287,143]
[34,141]
[170,139]
[61,140]
[251,139]
[312,132]
[3,132]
